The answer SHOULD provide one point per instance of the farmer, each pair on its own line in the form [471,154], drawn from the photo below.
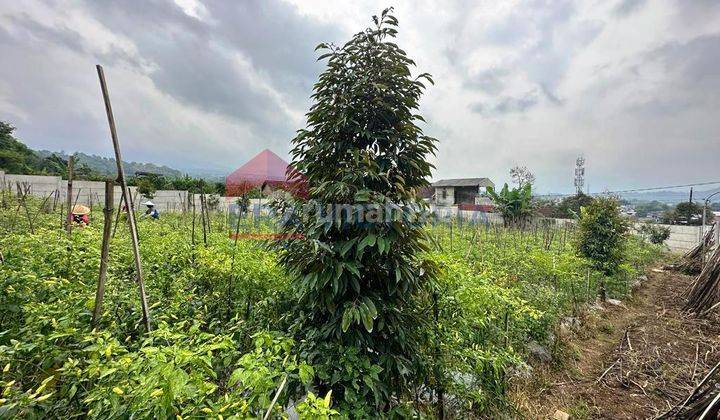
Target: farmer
[80,215]
[151,210]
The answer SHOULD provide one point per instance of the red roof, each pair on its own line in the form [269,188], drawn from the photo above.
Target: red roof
[266,167]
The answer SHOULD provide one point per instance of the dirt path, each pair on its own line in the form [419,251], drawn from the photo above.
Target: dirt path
[628,362]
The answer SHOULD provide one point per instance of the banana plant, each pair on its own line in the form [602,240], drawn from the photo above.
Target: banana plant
[515,204]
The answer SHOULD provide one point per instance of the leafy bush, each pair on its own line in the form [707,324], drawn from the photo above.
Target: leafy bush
[602,235]
[654,233]
[515,205]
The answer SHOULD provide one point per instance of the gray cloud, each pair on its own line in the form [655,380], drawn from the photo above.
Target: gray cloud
[489,81]
[534,84]
[507,105]
[627,7]
[197,61]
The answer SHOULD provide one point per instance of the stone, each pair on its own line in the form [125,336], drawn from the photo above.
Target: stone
[615,302]
[561,415]
[569,324]
[539,352]
[597,306]
[523,371]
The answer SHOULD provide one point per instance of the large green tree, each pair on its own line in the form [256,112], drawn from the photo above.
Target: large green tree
[358,265]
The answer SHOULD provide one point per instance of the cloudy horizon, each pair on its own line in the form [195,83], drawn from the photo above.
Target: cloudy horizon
[632,85]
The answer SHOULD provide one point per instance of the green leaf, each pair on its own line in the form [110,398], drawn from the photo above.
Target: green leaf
[347,317]
[353,268]
[366,317]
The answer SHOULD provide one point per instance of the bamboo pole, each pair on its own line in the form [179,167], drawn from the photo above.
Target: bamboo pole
[192,234]
[42,206]
[22,195]
[68,221]
[202,218]
[117,216]
[126,193]
[104,252]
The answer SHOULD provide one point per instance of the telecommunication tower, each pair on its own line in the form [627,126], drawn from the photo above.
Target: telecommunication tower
[579,174]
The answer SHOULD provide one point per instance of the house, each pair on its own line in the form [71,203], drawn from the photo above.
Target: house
[453,192]
[266,171]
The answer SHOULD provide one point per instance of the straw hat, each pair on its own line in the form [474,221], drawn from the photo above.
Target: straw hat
[149,203]
[80,209]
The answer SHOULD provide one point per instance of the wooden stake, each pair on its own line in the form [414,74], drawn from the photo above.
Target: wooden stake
[126,193]
[69,220]
[23,203]
[104,252]
[117,216]
[202,217]
[192,235]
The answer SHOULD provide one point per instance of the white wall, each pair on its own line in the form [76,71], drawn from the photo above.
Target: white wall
[682,238]
[92,193]
[39,185]
[449,199]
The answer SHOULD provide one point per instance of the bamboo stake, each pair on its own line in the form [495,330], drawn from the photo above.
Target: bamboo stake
[23,202]
[100,292]
[192,235]
[117,216]
[42,206]
[275,398]
[126,193]
[202,217]
[133,199]
[68,221]
[231,277]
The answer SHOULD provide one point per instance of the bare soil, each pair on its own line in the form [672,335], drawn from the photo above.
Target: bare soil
[634,361]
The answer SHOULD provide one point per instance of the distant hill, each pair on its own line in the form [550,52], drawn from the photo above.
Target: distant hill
[106,166]
[17,158]
[662,196]
[672,196]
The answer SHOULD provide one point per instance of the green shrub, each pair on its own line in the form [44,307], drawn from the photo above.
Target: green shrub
[515,204]
[654,233]
[602,235]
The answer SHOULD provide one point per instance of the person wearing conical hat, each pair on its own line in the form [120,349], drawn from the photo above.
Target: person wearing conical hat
[151,210]
[81,215]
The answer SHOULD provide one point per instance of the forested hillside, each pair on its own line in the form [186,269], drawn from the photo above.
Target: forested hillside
[17,158]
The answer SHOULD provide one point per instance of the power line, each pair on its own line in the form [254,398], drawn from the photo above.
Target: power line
[667,187]
[638,189]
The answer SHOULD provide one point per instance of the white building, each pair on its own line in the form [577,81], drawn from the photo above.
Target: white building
[452,192]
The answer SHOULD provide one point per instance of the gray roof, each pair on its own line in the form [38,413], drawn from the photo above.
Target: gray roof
[464,182]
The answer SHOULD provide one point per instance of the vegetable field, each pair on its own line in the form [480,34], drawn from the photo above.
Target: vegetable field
[222,345]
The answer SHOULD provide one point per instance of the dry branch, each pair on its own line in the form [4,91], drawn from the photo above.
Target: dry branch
[692,261]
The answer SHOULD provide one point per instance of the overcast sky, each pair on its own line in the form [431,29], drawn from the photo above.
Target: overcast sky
[633,85]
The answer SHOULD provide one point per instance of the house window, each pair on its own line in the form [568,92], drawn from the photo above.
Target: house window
[444,193]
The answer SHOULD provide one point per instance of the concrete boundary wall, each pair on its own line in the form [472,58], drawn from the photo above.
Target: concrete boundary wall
[682,238]
[92,194]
